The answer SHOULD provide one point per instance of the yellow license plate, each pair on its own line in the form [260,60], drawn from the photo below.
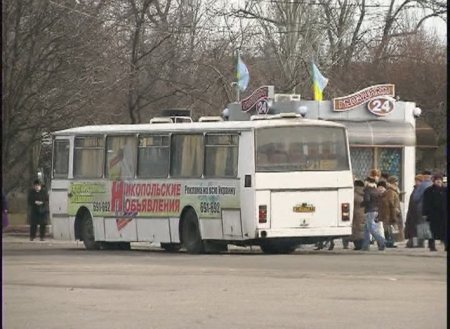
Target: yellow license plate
[304,208]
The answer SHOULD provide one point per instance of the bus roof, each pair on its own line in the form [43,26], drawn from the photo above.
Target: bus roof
[190,127]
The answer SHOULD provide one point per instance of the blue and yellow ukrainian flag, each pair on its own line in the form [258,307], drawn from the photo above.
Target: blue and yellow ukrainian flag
[319,83]
[242,75]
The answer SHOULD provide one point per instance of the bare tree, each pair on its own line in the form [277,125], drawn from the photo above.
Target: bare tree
[51,74]
[393,29]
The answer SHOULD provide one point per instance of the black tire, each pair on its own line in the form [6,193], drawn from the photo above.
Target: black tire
[277,247]
[215,247]
[124,245]
[108,245]
[87,234]
[115,245]
[268,248]
[190,233]
[171,247]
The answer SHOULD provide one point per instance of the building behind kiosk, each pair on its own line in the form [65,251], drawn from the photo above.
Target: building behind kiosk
[381,130]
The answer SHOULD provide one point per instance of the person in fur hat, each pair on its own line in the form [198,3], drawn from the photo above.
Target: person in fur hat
[371,202]
[383,216]
[393,212]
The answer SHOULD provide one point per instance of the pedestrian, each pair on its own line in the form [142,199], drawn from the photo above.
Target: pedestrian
[394,221]
[434,212]
[384,177]
[325,243]
[383,211]
[38,210]
[345,242]
[418,199]
[5,220]
[358,221]
[371,201]
[413,217]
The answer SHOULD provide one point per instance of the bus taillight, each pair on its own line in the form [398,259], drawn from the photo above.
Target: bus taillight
[345,211]
[262,214]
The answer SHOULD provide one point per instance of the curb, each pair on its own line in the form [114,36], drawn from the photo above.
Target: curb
[24,230]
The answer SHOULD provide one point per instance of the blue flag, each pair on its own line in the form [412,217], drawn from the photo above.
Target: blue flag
[243,76]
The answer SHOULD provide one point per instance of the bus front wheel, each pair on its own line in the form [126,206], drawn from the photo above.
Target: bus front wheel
[190,233]
[87,233]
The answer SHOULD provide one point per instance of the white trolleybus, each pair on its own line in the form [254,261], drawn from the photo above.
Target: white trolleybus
[274,181]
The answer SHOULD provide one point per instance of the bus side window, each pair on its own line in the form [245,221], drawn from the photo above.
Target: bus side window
[88,157]
[153,156]
[221,155]
[121,156]
[187,155]
[61,158]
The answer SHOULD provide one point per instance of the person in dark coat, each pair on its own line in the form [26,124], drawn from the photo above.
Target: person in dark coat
[433,210]
[418,198]
[371,202]
[358,215]
[38,210]
[413,216]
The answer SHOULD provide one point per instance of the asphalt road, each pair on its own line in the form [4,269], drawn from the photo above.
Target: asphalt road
[56,284]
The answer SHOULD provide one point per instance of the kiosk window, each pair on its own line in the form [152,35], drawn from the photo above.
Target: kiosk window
[362,161]
[387,159]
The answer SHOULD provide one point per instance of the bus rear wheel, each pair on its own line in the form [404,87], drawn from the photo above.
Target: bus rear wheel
[277,247]
[171,247]
[87,234]
[190,233]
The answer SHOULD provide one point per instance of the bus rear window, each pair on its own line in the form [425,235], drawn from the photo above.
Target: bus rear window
[285,149]
[88,157]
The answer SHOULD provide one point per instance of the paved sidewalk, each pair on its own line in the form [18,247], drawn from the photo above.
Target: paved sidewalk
[24,230]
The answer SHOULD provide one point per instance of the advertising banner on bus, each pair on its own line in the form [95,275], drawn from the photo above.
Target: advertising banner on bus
[153,198]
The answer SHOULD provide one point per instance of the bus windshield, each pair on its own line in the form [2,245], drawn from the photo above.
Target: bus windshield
[310,148]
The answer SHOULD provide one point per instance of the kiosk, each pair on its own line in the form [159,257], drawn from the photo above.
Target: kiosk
[381,130]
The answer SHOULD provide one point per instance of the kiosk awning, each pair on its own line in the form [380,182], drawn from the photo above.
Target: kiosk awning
[425,135]
[380,133]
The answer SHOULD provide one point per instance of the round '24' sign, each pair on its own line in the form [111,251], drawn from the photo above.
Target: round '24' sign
[381,106]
